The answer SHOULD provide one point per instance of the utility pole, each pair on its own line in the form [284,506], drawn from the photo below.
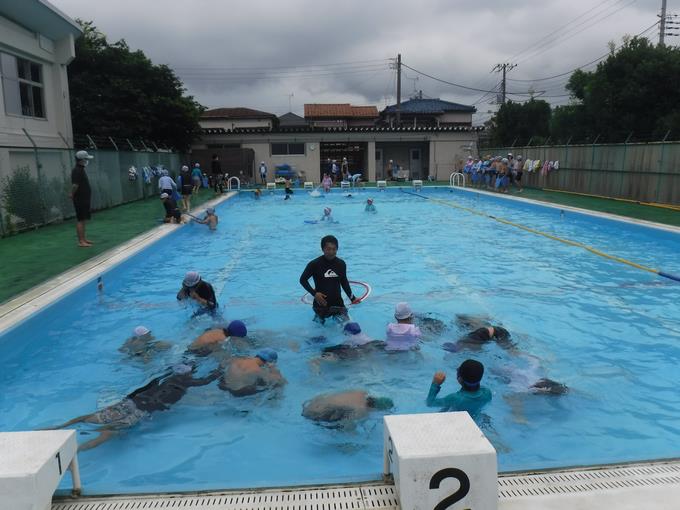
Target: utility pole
[398,89]
[503,68]
[662,23]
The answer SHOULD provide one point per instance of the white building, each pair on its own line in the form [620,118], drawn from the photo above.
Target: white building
[36,45]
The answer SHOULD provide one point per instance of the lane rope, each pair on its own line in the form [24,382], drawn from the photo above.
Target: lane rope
[308,299]
[554,238]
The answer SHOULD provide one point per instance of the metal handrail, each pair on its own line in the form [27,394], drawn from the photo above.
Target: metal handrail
[454,179]
[238,183]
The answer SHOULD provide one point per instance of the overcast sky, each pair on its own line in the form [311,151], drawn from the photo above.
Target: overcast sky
[257,53]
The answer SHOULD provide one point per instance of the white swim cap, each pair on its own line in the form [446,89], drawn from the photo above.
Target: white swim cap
[141,331]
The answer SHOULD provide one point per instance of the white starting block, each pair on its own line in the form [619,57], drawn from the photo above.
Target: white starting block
[440,460]
[31,466]
[344,185]
[271,185]
[417,184]
[309,185]
[381,184]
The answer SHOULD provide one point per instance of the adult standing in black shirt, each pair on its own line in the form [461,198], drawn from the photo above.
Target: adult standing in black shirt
[216,171]
[81,195]
[330,275]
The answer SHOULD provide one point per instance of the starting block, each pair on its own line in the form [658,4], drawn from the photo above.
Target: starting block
[417,184]
[271,185]
[440,460]
[33,464]
[381,184]
[309,185]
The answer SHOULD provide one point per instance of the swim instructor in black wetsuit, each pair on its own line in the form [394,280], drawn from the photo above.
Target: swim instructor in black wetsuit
[330,274]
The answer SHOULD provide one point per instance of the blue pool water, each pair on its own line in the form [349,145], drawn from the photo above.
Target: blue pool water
[609,332]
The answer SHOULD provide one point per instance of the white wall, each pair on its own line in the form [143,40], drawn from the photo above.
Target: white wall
[448,155]
[54,57]
[235,123]
[307,163]
[451,117]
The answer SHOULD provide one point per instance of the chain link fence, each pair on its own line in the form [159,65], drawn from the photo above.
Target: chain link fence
[35,183]
[646,172]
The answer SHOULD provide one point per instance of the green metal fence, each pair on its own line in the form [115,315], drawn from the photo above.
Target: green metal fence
[647,172]
[35,182]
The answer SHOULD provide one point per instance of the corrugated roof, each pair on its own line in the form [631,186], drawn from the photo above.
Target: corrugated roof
[371,129]
[236,113]
[290,119]
[430,107]
[343,110]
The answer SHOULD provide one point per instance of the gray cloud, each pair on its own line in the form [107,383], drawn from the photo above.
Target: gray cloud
[239,53]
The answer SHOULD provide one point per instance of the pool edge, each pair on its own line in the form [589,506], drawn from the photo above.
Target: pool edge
[21,307]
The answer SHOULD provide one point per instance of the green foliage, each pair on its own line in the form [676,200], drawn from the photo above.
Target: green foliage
[633,91]
[20,196]
[521,121]
[121,93]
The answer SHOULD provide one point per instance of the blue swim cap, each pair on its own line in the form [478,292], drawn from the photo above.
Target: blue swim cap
[237,328]
[352,328]
[267,355]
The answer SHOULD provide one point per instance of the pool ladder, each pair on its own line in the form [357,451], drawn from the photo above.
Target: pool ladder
[238,183]
[456,178]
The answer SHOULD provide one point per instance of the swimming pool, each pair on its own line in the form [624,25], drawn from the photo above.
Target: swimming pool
[609,332]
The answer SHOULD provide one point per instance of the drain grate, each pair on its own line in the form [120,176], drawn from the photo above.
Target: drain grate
[338,498]
[384,497]
[578,481]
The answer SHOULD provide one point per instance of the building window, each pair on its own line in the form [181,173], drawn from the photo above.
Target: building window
[288,149]
[22,84]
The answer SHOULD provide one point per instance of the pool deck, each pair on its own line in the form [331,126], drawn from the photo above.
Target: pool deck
[647,486]
[25,304]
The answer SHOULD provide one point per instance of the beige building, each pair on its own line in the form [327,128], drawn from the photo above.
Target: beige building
[36,45]
[433,152]
[237,118]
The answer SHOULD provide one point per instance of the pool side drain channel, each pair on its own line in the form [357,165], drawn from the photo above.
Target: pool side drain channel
[616,480]
[595,480]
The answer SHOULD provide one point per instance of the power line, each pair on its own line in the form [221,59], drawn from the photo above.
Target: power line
[552,34]
[563,39]
[285,67]
[474,89]
[582,66]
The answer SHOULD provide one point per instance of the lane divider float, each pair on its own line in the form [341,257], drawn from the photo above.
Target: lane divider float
[554,238]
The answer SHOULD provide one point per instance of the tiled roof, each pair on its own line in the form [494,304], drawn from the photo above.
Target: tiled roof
[430,106]
[344,110]
[236,113]
[311,129]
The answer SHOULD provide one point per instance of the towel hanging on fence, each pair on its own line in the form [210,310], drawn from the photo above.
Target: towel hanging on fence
[132,174]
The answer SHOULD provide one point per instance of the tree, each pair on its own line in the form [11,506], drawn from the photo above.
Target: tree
[521,121]
[120,93]
[633,91]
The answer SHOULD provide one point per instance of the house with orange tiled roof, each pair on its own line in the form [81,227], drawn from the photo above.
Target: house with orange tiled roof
[340,115]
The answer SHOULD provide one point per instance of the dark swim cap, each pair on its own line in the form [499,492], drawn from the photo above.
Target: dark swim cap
[237,328]
[470,372]
[380,403]
[549,387]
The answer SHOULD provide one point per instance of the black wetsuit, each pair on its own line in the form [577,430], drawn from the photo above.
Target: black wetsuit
[163,391]
[204,291]
[478,337]
[329,276]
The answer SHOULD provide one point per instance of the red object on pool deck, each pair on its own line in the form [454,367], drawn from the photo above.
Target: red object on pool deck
[366,286]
